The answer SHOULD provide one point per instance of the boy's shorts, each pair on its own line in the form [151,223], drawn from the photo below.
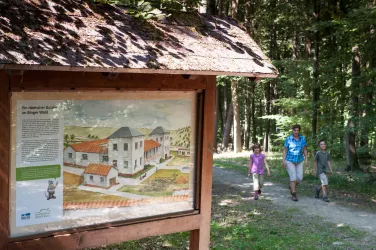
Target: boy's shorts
[323,179]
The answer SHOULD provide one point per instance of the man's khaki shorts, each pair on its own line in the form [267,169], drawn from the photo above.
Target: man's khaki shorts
[295,170]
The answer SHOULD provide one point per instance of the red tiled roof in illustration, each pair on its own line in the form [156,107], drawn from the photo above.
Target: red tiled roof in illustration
[76,205]
[150,144]
[98,169]
[97,146]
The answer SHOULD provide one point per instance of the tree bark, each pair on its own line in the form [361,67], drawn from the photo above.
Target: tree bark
[237,127]
[234,8]
[260,122]
[253,114]
[267,121]
[294,46]
[306,85]
[220,7]
[352,160]
[211,7]
[228,126]
[227,8]
[248,108]
[316,86]
[247,16]
[217,115]
[221,114]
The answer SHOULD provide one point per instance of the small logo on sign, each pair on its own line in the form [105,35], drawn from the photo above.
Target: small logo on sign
[25,216]
[43,213]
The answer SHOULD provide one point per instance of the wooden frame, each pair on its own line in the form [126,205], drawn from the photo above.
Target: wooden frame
[196,222]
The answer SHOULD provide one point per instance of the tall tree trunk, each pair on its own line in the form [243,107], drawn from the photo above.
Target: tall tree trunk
[220,7]
[267,121]
[352,159]
[253,114]
[294,46]
[221,114]
[216,119]
[316,86]
[226,103]
[260,122]
[306,83]
[227,8]
[237,127]
[228,126]
[234,8]
[210,7]
[248,111]
[247,16]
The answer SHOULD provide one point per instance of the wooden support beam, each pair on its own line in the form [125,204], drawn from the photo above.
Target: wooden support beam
[62,81]
[111,235]
[200,239]
[4,158]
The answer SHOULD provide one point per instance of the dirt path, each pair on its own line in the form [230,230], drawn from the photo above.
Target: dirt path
[330,212]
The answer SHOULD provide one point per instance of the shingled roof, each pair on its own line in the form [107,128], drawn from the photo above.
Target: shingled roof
[125,132]
[159,131]
[79,35]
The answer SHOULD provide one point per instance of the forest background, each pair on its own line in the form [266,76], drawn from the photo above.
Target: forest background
[325,52]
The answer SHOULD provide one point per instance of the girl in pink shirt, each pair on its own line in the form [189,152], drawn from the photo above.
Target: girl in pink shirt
[256,168]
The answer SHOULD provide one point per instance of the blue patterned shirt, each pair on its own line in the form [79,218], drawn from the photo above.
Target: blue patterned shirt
[295,148]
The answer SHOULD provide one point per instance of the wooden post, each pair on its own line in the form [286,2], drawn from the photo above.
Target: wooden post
[200,238]
[4,159]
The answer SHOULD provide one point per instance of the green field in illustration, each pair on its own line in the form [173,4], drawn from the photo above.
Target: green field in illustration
[162,183]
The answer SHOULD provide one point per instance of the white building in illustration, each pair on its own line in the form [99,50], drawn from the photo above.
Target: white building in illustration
[162,136]
[84,153]
[184,152]
[100,175]
[126,150]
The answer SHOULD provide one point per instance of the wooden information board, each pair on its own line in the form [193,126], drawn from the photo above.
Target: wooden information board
[90,159]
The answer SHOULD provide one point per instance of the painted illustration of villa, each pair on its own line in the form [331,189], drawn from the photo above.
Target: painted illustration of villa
[100,175]
[126,150]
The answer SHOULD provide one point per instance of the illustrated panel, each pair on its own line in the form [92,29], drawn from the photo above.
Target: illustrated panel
[87,158]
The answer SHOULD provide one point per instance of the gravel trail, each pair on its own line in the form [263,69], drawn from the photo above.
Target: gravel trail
[330,212]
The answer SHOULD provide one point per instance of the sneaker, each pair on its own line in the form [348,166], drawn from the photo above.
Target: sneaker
[317,192]
[256,196]
[259,192]
[294,198]
[325,199]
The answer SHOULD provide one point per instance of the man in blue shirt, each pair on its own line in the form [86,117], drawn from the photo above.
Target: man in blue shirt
[294,153]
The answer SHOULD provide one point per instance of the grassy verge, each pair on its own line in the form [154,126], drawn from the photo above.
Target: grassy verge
[349,189]
[159,184]
[74,194]
[238,222]
[178,160]
[146,168]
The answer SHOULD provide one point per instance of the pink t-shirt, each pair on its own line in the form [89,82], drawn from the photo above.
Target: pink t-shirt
[257,164]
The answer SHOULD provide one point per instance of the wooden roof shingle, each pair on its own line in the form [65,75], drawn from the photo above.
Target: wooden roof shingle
[79,35]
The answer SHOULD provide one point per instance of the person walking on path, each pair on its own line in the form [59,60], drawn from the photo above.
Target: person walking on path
[257,160]
[294,153]
[321,166]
